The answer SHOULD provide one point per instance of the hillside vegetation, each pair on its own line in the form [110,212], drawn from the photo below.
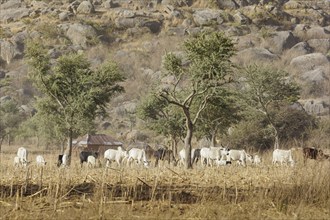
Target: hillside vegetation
[290,35]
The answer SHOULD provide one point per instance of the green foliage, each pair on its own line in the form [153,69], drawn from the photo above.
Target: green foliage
[267,90]
[209,55]
[160,117]
[48,30]
[252,132]
[172,64]
[195,82]
[222,112]
[10,118]
[4,33]
[294,124]
[4,82]
[266,86]
[74,94]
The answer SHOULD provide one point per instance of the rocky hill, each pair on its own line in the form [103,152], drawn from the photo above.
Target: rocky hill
[292,35]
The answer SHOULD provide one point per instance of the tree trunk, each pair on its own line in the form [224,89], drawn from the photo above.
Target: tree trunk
[213,139]
[1,139]
[187,146]
[276,141]
[68,151]
[175,147]
[187,140]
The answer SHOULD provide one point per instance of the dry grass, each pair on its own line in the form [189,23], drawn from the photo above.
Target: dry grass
[166,192]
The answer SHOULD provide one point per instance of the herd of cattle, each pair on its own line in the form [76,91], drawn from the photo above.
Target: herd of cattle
[208,156]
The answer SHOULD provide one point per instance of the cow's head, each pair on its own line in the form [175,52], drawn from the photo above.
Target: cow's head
[146,163]
[249,158]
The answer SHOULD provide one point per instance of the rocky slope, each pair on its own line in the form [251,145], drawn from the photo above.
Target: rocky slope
[293,35]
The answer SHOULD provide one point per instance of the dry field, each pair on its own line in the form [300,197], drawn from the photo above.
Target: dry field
[166,192]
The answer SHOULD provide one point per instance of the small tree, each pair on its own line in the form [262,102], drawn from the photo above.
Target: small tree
[265,90]
[10,118]
[73,94]
[196,81]
[44,129]
[222,112]
[162,118]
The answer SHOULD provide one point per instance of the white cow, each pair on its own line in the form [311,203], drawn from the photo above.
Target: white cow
[22,155]
[40,160]
[221,162]
[138,155]
[91,161]
[16,161]
[282,156]
[182,155]
[212,154]
[114,155]
[256,159]
[240,156]
[65,160]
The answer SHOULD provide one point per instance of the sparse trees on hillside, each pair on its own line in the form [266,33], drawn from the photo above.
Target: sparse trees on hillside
[73,93]
[266,90]
[206,70]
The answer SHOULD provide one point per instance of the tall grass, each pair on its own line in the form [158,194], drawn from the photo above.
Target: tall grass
[233,192]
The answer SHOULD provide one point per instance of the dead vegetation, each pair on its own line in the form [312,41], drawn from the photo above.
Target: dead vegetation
[254,192]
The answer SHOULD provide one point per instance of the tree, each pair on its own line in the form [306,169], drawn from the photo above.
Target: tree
[44,129]
[162,118]
[222,112]
[197,79]
[73,93]
[10,118]
[266,90]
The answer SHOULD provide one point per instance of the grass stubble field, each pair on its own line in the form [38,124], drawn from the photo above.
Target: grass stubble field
[165,192]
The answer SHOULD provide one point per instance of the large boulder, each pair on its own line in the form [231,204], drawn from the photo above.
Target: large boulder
[309,62]
[81,34]
[207,17]
[126,22]
[9,51]
[225,4]
[247,41]
[317,75]
[319,107]
[4,99]
[153,25]
[280,41]
[86,7]
[255,55]
[240,18]
[292,4]
[2,74]
[308,32]
[11,4]
[301,48]
[320,45]
[13,14]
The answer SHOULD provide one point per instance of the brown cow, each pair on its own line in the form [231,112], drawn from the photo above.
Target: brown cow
[312,153]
